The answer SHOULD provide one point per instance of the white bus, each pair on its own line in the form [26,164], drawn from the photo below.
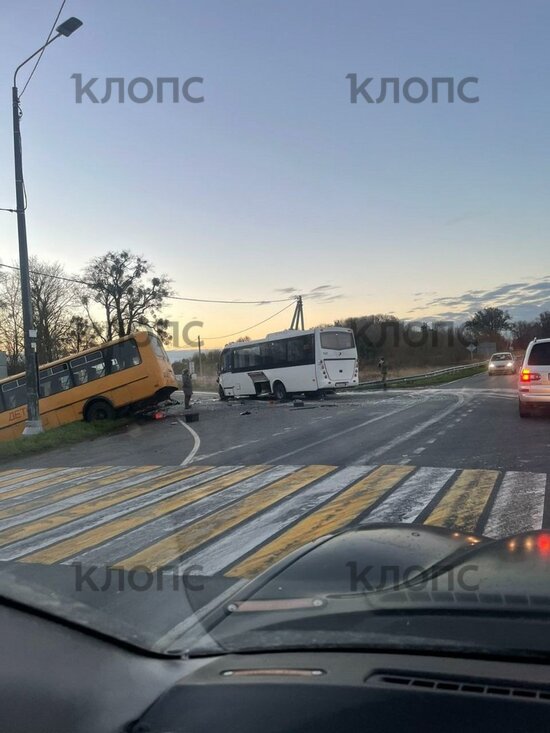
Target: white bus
[289,362]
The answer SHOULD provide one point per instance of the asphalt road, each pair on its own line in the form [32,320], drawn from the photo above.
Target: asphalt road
[225,497]
[470,423]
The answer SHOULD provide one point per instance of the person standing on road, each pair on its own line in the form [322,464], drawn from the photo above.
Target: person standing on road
[383,372]
[187,386]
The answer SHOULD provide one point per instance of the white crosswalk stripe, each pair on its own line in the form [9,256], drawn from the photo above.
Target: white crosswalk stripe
[519,504]
[407,501]
[250,512]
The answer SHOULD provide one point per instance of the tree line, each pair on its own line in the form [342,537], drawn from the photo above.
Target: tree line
[407,343]
[118,293]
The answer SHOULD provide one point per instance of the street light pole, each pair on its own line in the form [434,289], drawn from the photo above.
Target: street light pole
[33,423]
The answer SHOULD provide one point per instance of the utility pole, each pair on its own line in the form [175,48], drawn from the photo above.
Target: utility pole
[200,356]
[298,317]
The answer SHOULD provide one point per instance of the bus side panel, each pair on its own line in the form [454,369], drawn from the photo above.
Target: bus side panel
[296,378]
[13,423]
[242,385]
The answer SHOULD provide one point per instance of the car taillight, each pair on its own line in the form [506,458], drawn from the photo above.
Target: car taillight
[543,544]
[528,376]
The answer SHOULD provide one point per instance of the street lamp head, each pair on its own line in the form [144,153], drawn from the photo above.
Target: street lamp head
[69,26]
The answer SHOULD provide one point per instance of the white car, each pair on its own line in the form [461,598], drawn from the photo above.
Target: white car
[502,363]
[534,378]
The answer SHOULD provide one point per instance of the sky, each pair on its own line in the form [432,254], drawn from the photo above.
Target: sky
[276,184]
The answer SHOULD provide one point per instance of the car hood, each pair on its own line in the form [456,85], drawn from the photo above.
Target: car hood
[392,569]
[373,571]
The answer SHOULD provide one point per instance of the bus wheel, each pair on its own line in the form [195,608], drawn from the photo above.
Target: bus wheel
[221,393]
[279,391]
[99,410]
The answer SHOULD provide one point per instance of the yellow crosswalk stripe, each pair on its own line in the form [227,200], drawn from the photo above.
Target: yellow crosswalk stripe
[162,553]
[103,502]
[331,517]
[97,535]
[461,506]
[57,495]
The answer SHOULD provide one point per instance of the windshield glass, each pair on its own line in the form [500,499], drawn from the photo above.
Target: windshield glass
[272,282]
[540,354]
[337,340]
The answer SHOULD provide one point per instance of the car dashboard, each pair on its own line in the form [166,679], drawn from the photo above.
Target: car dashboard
[55,677]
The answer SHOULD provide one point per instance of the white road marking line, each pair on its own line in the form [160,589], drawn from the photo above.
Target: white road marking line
[145,535]
[431,441]
[405,503]
[236,543]
[226,450]
[284,431]
[518,506]
[415,431]
[352,428]
[196,443]
[70,529]
[417,451]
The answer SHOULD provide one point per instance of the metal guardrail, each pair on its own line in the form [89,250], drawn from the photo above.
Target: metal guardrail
[425,375]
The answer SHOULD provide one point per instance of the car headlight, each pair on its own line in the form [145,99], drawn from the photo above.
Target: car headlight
[491,366]
[509,364]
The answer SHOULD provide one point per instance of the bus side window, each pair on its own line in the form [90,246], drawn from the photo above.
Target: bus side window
[54,380]
[88,367]
[80,377]
[225,361]
[121,356]
[15,394]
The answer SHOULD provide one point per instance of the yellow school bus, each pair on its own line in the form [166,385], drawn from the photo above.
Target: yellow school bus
[118,377]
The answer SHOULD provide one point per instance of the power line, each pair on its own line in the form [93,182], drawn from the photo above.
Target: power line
[47,274]
[171,297]
[41,53]
[237,333]
[232,302]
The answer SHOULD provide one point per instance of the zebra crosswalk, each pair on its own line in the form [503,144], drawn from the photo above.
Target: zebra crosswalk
[237,520]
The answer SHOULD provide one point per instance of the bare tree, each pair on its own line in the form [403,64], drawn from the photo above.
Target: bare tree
[54,299]
[11,321]
[80,335]
[119,285]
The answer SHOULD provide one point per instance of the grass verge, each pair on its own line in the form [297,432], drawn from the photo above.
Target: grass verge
[60,437]
[431,381]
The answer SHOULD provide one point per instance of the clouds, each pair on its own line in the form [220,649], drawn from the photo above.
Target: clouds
[321,293]
[524,300]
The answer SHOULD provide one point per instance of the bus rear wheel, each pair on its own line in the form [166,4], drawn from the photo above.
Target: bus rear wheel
[99,410]
[279,391]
